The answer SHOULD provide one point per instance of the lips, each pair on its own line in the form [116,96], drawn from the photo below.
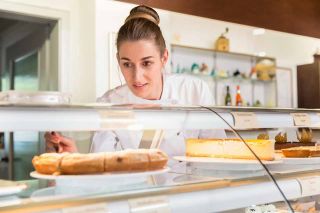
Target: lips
[139,85]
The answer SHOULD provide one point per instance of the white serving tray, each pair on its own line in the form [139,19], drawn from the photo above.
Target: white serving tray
[111,179]
[225,164]
[100,176]
[299,161]
[10,187]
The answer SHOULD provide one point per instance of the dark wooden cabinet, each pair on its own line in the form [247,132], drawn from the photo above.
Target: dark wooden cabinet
[308,82]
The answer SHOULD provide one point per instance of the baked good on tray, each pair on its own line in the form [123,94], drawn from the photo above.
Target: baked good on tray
[47,163]
[304,137]
[76,163]
[301,152]
[230,148]
[279,146]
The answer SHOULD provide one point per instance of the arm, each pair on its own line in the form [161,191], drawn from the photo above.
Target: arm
[104,141]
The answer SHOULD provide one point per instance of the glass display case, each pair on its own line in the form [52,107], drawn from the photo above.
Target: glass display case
[229,160]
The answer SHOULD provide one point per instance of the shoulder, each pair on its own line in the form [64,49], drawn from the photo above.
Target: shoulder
[189,89]
[115,94]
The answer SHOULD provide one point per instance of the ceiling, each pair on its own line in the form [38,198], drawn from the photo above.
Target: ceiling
[292,16]
[6,23]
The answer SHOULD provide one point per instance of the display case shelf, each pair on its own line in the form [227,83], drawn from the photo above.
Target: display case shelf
[207,196]
[180,190]
[90,118]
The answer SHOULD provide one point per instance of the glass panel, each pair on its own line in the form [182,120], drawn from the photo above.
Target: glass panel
[26,73]
[26,144]
[5,80]
[226,172]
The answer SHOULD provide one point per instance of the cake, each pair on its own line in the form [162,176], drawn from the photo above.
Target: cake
[285,145]
[230,148]
[304,139]
[301,152]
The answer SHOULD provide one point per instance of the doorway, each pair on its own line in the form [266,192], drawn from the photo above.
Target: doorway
[28,62]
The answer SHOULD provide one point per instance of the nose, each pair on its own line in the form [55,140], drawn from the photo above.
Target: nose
[138,74]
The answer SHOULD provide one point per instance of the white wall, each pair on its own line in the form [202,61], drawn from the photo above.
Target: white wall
[56,4]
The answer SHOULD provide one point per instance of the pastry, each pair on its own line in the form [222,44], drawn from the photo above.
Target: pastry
[48,163]
[301,152]
[128,160]
[296,152]
[263,136]
[230,148]
[304,136]
[157,159]
[281,138]
[76,163]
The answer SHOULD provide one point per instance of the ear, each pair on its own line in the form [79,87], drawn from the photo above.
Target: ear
[165,57]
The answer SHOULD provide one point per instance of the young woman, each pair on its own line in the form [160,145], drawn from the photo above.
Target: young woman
[142,56]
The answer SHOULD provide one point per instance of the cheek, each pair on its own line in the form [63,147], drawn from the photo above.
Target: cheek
[126,74]
[154,75]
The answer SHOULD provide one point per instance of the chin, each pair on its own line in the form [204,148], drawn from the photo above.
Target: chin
[141,94]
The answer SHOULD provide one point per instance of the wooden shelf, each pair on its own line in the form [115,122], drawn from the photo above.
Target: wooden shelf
[236,79]
[223,52]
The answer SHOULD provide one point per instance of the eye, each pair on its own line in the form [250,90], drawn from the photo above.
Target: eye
[127,64]
[146,63]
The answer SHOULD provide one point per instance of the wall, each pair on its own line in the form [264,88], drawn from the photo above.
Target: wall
[275,15]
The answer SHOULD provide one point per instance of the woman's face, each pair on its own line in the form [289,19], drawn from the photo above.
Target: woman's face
[141,64]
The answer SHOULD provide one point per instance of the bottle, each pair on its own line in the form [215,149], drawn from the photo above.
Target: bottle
[238,97]
[227,100]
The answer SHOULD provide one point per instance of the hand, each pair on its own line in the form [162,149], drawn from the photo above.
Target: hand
[56,142]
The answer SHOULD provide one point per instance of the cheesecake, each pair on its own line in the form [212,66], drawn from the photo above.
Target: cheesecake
[230,148]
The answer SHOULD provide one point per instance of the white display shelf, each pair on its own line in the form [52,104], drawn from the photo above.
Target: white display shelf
[228,198]
[202,196]
[81,118]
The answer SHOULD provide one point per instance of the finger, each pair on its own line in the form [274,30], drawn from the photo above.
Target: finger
[50,147]
[54,141]
[66,141]
[60,149]
[51,138]
[56,134]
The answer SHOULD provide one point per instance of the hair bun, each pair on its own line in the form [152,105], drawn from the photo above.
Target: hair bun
[145,12]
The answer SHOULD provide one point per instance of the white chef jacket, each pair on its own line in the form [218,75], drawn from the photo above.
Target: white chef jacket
[177,89]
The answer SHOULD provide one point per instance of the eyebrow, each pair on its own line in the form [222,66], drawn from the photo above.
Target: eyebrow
[147,57]
[144,58]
